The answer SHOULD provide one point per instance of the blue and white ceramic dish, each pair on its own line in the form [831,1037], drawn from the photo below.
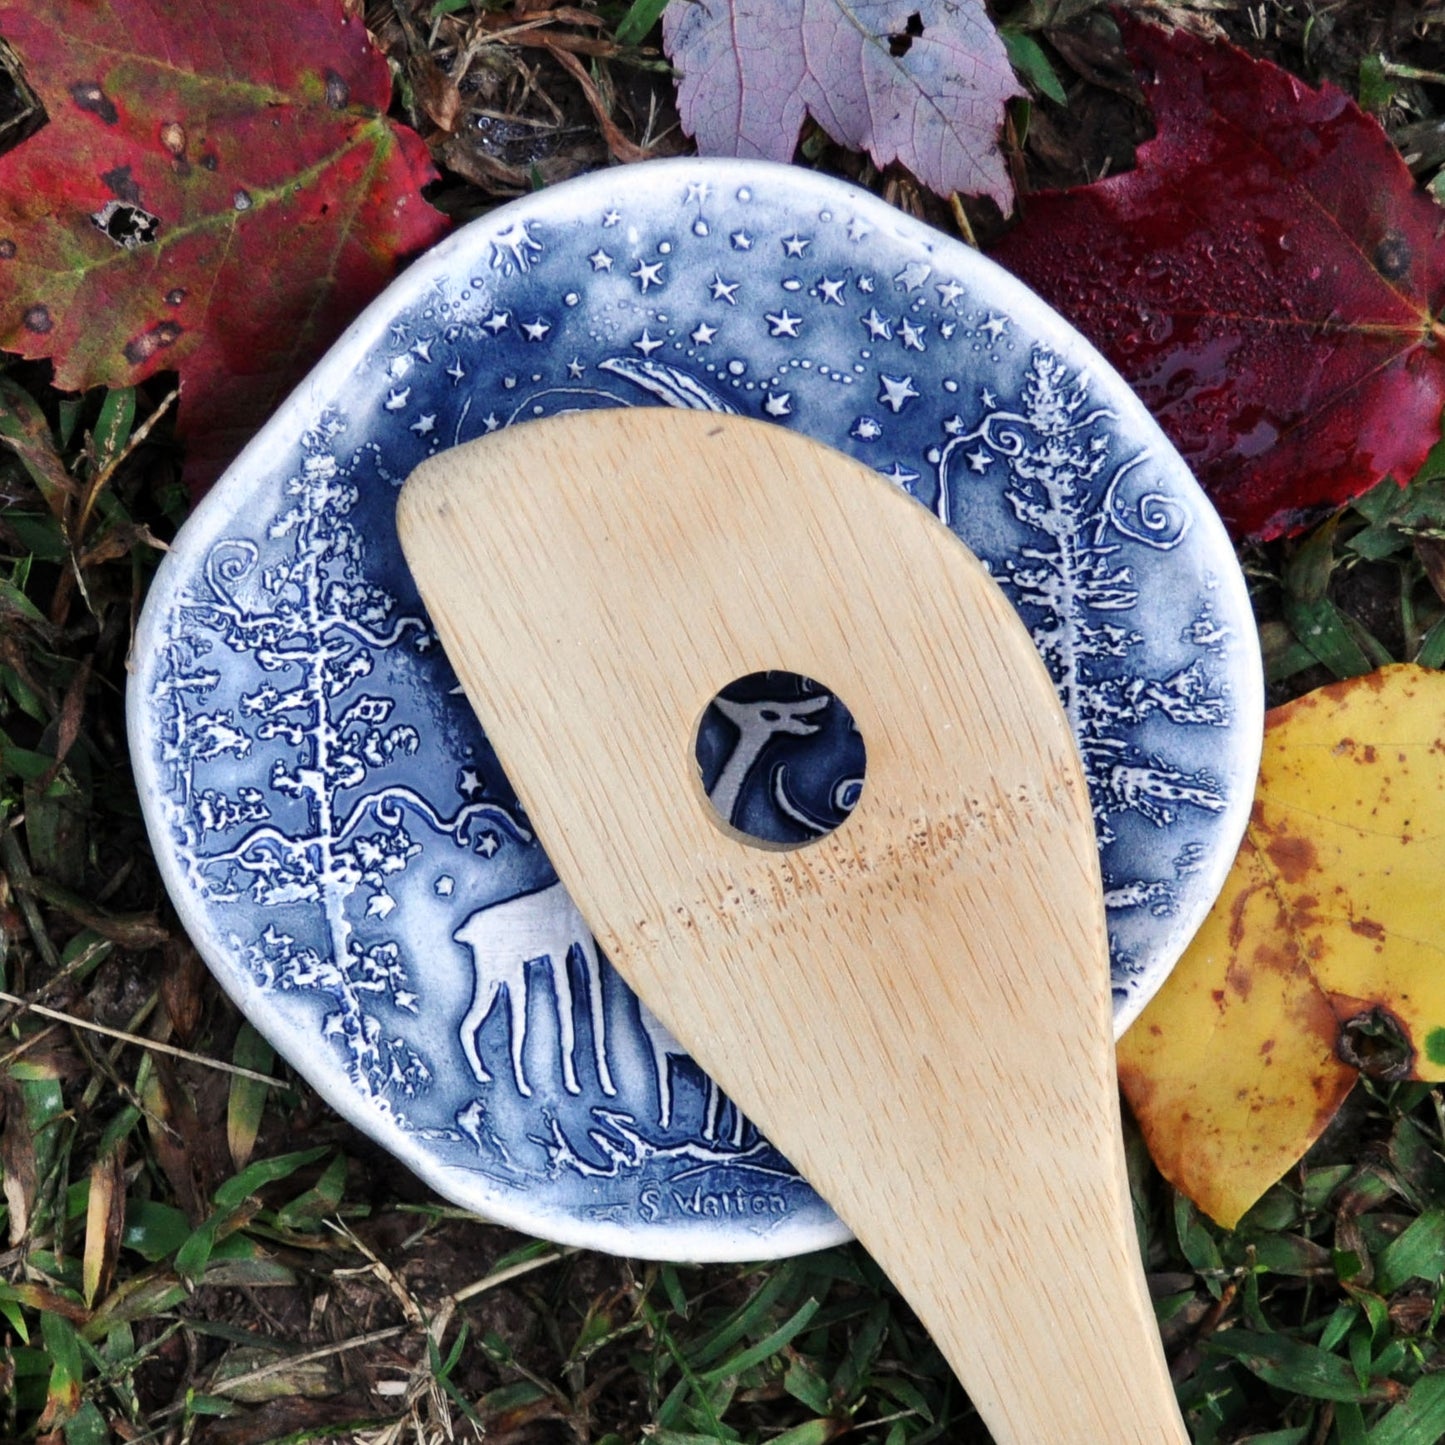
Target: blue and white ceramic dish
[333,826]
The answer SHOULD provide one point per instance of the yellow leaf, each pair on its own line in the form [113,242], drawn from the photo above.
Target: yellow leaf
[1328,927]
[104,1223]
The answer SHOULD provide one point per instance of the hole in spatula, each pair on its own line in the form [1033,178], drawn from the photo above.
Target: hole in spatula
[780,758]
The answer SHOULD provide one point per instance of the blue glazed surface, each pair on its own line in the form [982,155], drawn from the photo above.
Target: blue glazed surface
[333,826]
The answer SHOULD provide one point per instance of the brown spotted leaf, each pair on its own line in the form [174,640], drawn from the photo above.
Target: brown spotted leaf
[1324,954]
[217,191]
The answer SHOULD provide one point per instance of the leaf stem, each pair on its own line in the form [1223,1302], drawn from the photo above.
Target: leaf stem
[142,1043]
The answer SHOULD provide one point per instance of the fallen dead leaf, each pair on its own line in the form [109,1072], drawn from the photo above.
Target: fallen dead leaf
[1323,955]
[104,1223]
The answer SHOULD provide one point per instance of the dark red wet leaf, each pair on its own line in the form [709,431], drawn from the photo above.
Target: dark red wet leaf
[1267,279]
[217,192]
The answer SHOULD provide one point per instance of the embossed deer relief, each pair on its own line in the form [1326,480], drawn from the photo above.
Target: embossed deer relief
[544,930]
[757,724]
[717,1107]
[506,939]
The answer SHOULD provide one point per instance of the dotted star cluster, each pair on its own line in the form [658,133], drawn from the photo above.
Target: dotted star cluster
[706,301]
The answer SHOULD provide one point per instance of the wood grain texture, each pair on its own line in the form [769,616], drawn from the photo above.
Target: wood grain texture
[914,1008]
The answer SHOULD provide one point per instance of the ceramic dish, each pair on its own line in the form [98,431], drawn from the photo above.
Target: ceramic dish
[331,822]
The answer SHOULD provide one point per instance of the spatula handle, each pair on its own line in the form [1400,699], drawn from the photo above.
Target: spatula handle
[915,1008]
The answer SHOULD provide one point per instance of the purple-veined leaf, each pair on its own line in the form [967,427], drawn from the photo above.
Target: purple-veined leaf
[923,82]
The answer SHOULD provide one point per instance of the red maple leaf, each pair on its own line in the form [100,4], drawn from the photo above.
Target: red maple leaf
[217,191]
[1267,279]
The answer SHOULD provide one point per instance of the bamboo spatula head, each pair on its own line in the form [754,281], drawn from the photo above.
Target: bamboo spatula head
[915,1008]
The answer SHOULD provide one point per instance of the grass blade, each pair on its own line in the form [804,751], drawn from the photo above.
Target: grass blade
[247,1101]
[1419,1419]
[1291,1365]
[1419,1253]
[766,1347]
[641,16]
[104,1223]
[67,1370]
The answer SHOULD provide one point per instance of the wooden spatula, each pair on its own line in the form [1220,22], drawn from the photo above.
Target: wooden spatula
[914,1008]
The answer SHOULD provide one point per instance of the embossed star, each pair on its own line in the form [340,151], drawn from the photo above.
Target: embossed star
[575,369]
[647,273]
[879,327]
[703,335]
[697,193]
[949,292]
[954,426]
[900,476]
[398,330]
[456,371]
[795,244]
[425,425]
[897,392]
[498,322]
[778,403]
[600,260]
[397,400]
[912,276]
[911,335]
[724,290]
[646,343]
[611,218]
[783,323]
[979,460]
[488,844]
[865,285]
[987,399]
[858,228]
[536,330]
[422,349]
[829,290]
[994,325]
[491,421]
[867,429]
[741,241]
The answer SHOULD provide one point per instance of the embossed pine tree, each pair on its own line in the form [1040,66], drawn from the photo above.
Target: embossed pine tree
[1074,587]
[330,825]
